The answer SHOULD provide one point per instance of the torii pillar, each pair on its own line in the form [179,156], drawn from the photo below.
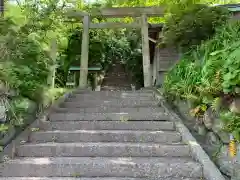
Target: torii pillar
[145,52]
[83,83]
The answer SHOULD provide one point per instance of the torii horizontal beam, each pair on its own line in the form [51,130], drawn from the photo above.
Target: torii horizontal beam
[113,25]
[74,14]
[149,11]
[129,11]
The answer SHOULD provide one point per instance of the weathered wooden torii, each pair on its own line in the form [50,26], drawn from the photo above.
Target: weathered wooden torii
[141,13]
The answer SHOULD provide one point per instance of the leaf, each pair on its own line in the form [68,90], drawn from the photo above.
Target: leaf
[35,129]
[216,52]
[204,107]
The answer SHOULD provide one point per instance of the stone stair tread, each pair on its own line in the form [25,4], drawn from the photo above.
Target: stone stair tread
[108,125]
[119,144]
[160,116]
[113,93]
[102,167]
[106,136]
[91,178]
[120,86]
[96,94]
[159,132]
[107,104]
[114,88]
[109,109]
[116,82]
[99,103]
[108,101]
[112,78]
[103,150]
[116,132]
[100,160]
[102,110]
[139,132]
[82,98]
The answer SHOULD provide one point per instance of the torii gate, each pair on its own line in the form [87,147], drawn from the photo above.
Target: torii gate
[142,13]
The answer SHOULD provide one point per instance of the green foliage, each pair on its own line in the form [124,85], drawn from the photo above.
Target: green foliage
[232,123]
[18,110]
[191,24]
[210,73]
[24,64]
[231,71]
[182,80]
[24,68]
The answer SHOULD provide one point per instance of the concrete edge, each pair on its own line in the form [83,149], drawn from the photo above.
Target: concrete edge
[9,151]
[210,170]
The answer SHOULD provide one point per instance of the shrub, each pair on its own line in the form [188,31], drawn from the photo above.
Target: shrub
[24,63]
[188,27]
[210,72]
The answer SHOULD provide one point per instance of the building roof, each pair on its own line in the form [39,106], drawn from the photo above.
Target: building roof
[231,7]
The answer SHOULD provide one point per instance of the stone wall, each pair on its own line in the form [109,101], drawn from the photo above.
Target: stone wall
[208,130]
[6,97]
[29,110]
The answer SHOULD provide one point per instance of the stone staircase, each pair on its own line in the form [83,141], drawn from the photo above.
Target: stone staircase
[116,78]
[104,136]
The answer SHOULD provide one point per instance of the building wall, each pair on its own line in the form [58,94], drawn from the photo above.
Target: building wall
[236,15]
[164,59]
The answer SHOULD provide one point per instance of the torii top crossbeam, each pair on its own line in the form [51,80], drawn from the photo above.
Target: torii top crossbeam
[149,11]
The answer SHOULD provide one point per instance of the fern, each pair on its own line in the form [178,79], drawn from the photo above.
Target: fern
[216,103]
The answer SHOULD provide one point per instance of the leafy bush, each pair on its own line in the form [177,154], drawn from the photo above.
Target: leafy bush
[210,73]
[191,25]
[232,123]
[24,64]
[183,79]
[24,68]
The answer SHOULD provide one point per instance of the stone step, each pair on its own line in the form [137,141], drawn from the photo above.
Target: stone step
[113,93]
[109,110]
[111,96]
[109,116]
[116,82]
[117,75]
[166,137]
[108,104]
[121,78]
[108,125]
[91,98]
[102,167]
[117,85]
[93,178]
[117,71]
[102,150]
[111,100]
[115,88]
